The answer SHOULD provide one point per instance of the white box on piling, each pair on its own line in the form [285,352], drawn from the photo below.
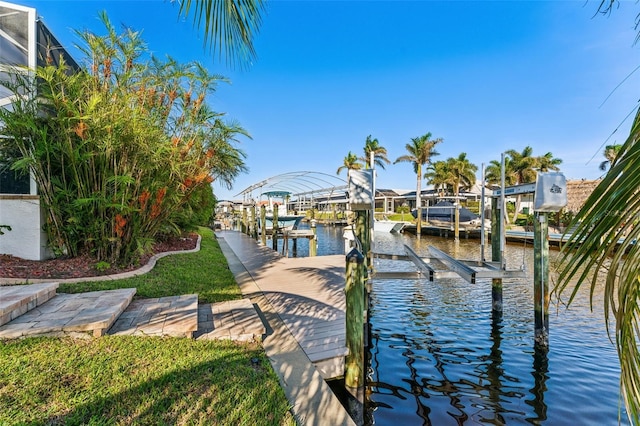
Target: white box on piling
[361,189]
[551,192]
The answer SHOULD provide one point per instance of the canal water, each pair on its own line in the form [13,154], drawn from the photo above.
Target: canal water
[437,357]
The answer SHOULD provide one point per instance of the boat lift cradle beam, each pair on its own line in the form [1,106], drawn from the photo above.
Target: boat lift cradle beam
[465,271]
[420,263]
[456,267]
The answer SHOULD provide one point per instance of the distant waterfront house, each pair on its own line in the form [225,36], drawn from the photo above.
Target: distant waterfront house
[25,43]
[389,200]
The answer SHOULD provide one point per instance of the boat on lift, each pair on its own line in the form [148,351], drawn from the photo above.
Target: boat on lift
[285,220]
[442,215]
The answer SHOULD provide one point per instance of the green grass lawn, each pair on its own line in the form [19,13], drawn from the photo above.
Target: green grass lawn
[118,380]
[204,273]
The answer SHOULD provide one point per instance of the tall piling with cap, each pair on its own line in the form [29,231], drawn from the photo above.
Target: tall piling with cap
[274,228]
[361,202]
[541,279]
[313,242]
[550,196]
[354,290]
[497,223]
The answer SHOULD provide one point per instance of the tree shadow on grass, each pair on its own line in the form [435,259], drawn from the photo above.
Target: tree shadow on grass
[237,388]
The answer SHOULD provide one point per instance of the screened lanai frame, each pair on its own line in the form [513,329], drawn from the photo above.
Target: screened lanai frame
[306,189]
[25,43]
[18,32]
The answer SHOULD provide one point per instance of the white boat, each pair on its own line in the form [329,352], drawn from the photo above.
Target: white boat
[285,223]
[388,225]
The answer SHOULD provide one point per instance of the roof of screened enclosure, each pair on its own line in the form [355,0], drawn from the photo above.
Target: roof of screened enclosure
[297,184]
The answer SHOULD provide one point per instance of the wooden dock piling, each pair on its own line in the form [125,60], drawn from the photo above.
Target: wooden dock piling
[497,222]
[263,224]
[254,223]
[244,227]
[354,290]
[363,234]
[274,228]
[541,279]
[313,243]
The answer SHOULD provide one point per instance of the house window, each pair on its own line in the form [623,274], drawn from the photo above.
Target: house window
[13,182]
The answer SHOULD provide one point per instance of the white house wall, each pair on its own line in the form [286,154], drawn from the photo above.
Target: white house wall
[19,48]
[26,238]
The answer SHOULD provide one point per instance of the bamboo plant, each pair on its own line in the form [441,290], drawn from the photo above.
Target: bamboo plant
[118,148]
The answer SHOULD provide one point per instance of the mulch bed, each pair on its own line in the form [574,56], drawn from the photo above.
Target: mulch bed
[83,266]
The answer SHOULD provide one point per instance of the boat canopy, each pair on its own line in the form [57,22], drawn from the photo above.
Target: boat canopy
[297,184]
[279,194]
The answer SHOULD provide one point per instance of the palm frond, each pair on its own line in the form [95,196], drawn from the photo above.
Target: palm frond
[605,238]
[229,26]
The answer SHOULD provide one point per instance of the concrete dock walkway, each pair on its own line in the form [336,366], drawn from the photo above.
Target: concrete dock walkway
[303,303]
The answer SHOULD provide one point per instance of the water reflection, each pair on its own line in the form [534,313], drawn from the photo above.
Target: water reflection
[494,368]
[439,355]
[539,373]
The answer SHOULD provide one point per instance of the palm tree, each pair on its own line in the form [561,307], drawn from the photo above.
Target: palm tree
[462,172]
[372,146]
[350,162]
[420,150]
[523,166]
[438,175]
[229,26]
[548,162]
[493,172]
[605,240]
[459,172]
[610,153]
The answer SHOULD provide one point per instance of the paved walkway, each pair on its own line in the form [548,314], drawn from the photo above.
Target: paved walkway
[272,283]
[235,319]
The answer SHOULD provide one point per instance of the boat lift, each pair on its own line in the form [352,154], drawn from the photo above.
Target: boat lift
[470,270]
[549,196]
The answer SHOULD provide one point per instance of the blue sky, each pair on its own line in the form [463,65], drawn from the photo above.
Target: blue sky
[484,76]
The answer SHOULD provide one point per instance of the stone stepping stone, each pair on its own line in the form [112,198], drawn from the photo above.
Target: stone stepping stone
[71,314]
[16,300]
[175,316]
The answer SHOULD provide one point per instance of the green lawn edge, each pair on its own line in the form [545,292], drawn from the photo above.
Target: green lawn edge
[205,273]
